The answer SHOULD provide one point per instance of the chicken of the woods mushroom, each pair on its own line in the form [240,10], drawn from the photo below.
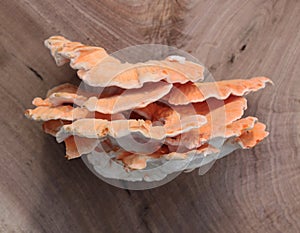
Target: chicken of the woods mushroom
[155,112]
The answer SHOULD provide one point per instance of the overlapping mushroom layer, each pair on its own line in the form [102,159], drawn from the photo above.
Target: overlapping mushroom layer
[145,112]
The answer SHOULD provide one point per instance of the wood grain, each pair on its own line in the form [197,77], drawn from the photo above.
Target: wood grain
[254,190]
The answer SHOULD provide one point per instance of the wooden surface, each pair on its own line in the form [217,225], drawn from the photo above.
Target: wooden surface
[255,190]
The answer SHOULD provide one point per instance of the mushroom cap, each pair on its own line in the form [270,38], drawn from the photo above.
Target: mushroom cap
[77,146]
[96,68]
[128,76]
[68,113]
[46,113]
[251,137]
[218,113]
[196,137]
[99,128]
[172,120]
[53,126]
[80,56]
[198,92]
[69,94]
[60,98]
[129,99]
[139,161]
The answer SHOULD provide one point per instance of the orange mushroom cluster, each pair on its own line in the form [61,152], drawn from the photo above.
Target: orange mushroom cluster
[151,111]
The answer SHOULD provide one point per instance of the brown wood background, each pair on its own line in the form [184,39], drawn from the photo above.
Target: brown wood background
[256,190]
